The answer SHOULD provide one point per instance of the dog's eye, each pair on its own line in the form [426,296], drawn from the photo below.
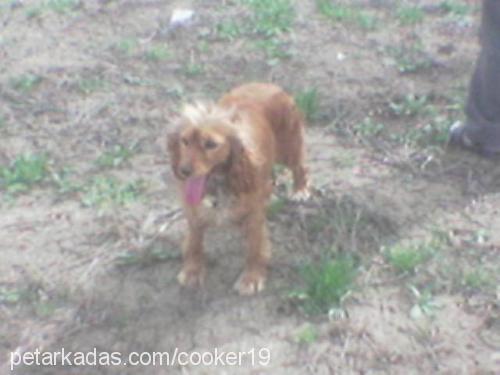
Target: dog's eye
[210,145]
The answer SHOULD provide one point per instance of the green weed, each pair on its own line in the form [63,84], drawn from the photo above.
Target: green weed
[10,295]
[26,82]
[410,58]
[456,8]
[326,284]
[405,258]
[56,6]
[34,11]
[193,70]
[425,304]
[64,183]
[229,30]
[433,132]
[108,191]
[62,6]
[158,53]
[478,279]
[368,128]
[26,171]
[127,46]
[271,18]
[274,49]
[45,308]
[152,256]
[89,85]
[307,335]
[411,105]
[275,207]
[115,157]
[307,101]
[346,14]
[410,15]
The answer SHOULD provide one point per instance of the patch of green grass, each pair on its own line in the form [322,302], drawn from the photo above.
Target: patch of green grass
[341,224]
[410,58]
[275,207]
[342,13]
[406,257]
[410,15]
[89,85]
[274,49]
[411,105]
[366,21]
[108,191]
[307,101]
[62,6]
[56,6]
[193,70]
[158,53]
[308,335]
[481,236]
[127,46]
[326,284]
[456,8]
[11,295]
[455,100]
[425,304]
[203,46]
[26,82]
[45,309]
[433,127]
[478,279]
[271,18]
[229,30]
[335,12]
[368,128]
[30,296]
[152,256]
[432,132]
[34,11]
[26,171]
[115,157]
[64,183]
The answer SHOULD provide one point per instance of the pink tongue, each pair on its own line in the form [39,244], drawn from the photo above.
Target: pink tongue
[194,190]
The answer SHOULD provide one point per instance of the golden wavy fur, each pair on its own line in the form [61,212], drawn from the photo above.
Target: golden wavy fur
[222,156]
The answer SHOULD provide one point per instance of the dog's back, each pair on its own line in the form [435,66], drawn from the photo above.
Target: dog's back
[279,110]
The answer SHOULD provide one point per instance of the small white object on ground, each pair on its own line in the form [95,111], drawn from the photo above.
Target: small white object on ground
[181,17]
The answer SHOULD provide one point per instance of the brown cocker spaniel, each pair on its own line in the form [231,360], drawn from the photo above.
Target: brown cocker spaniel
[222,156]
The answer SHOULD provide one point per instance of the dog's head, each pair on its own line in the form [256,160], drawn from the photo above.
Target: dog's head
[206,142]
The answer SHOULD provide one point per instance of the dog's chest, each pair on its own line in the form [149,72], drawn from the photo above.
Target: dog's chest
[217,206]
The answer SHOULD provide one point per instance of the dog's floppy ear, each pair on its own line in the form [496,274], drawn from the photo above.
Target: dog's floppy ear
[242,174]
[173,147]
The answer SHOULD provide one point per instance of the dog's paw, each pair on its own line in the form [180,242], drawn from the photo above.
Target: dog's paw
[250,283]
[301,195]
[191,276]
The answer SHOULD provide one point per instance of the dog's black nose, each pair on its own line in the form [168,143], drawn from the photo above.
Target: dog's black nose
[186,171]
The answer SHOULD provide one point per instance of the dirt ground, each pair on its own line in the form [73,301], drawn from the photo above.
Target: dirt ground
[81,269]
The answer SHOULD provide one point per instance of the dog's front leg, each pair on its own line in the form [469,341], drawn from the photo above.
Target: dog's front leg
[258,253]
[193,269]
